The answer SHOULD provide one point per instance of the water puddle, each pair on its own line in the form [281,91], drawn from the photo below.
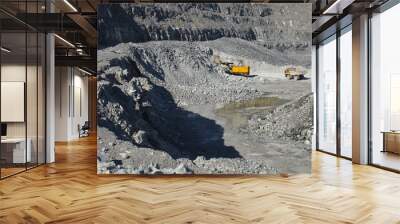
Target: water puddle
[237,114]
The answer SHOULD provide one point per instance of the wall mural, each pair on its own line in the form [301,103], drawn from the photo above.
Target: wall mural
[207,88]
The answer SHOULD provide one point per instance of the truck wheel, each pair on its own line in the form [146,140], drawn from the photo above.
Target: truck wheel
[297,77]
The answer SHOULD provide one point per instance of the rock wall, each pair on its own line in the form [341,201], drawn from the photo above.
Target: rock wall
[279,26]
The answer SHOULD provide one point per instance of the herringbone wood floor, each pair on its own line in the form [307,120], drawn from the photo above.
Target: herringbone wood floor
[69,191]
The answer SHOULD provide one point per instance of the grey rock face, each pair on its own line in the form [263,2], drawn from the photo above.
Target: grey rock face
[148,89]
[277,25]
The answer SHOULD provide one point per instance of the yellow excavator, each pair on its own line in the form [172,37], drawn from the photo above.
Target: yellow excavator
[236,69]
[233,69]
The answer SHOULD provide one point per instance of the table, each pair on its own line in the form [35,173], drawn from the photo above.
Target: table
[13,150]
[391,141]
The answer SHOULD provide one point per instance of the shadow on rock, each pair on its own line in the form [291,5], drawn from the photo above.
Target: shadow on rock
[192,133]
[149,117]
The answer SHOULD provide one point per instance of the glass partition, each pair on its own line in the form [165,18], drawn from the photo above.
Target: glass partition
[346,93]
[327,95]
[385,89]
[13,95]
[41,97]
[22,77]
[31,97]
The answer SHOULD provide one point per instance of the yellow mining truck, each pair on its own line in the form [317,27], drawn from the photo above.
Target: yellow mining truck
[293,73]
[236,69]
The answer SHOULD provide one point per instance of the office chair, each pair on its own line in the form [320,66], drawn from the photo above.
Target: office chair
[84,130]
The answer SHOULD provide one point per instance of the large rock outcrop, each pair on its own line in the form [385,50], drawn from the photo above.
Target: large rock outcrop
[277,25]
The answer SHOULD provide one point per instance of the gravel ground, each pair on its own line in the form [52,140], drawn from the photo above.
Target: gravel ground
[163,97]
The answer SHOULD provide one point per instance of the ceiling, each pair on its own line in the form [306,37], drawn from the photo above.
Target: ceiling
[75,21]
